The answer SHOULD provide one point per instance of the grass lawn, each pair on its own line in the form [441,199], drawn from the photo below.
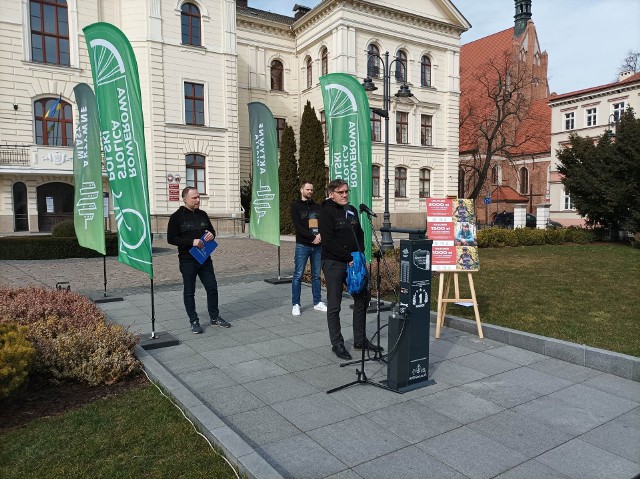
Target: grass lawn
[138,435]
[585,294]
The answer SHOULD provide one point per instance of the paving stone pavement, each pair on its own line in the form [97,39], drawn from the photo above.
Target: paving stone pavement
[258,389]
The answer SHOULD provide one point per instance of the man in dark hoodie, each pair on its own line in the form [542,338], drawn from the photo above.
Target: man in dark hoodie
[185,230]
[342,235]
[304,215]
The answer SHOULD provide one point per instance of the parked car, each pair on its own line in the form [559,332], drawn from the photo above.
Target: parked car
[505,220]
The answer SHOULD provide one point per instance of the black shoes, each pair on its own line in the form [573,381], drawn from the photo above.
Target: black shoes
[340,351]
[196,328]
[368,345]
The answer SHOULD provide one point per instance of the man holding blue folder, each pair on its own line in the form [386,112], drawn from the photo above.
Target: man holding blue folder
[190,228]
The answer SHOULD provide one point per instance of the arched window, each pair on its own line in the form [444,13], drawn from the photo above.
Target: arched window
[196,172]
[49,21]
[425,183]
[277,75]
[324,61]
[375,181]
[53,121]
[495,175]
[461,188]
[524,181]
[401,66]
[309,66]
[373,61]
[401,182]
[425,71]
[191,30]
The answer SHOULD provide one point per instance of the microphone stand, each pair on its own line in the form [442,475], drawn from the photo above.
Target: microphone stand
[361,375]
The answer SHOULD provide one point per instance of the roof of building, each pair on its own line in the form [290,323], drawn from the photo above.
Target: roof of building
[630,79]
[534,133]
[506,194]
[264,15]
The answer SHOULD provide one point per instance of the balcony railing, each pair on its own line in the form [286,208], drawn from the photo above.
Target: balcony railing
[14,155]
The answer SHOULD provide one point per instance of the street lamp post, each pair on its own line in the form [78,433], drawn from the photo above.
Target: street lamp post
[404,92]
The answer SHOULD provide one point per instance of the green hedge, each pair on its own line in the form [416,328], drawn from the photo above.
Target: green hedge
[50,247]
[500,237]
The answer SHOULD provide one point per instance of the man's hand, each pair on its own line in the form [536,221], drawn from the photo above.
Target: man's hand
[316,240]
[198,243]
[208,236]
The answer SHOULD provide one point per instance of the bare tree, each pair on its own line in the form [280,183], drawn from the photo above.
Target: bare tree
[495,117]
[630,63]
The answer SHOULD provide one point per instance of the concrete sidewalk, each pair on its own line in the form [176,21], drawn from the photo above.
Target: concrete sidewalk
[258,390]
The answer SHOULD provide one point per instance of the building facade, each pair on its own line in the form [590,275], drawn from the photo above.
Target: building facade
[589,113]
[200,63]
[504,134]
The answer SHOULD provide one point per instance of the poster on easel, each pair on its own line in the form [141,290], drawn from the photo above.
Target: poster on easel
[451,224]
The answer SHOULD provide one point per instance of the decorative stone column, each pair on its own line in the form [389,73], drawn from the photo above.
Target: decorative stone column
[520,215]
[542,219]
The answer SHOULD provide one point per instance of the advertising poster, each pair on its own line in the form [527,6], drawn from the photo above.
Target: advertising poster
[451,226]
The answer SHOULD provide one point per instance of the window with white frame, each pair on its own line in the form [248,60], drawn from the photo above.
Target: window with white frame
[376,126]
[523,179]
[402,127]
[567,204]
[49,24]
[193,103]
[309,67]
[426,130]
[401,182]
[591,117]
[570,120]
[617,110]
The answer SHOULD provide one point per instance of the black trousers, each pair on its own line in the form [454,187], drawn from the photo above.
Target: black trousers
[335,275]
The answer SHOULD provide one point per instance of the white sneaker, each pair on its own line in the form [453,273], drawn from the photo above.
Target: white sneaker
[320,307]
[296,310]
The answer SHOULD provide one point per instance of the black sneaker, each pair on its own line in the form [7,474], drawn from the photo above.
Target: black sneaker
[220,322]
[369,346]
[196,328]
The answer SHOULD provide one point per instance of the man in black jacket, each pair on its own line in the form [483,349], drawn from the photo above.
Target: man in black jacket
[304,214]
[185,230]
[342,235]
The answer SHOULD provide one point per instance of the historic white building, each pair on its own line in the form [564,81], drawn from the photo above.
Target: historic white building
[200,63]
[589,113]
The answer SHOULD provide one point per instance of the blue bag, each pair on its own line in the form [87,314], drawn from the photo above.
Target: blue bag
[357,273]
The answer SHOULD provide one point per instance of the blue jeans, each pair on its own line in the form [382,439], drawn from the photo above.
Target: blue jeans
[190,270]
[300,261]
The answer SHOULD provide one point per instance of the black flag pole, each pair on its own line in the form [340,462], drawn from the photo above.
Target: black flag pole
[280,279]
[153,313]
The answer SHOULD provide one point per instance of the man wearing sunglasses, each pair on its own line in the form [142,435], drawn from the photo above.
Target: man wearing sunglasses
[342,235]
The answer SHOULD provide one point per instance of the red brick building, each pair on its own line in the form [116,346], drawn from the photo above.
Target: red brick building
[505,147]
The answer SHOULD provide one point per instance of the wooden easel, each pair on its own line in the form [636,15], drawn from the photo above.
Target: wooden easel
[444,299]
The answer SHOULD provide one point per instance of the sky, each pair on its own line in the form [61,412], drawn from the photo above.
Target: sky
[587,40]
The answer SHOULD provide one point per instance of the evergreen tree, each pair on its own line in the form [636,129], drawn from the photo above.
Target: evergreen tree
[603,178]
[288,176]
[311,160]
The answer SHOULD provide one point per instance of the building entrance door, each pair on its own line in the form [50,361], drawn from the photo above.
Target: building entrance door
[55,204]
[20,209]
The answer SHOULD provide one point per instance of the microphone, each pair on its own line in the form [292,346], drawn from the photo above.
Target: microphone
[365,209]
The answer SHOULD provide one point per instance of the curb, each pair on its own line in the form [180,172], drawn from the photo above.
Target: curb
[622,365]
[236,449]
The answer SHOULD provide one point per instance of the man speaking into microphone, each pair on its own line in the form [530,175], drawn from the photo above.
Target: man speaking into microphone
[342,235]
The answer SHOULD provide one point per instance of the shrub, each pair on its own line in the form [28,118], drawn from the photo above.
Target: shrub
[499,237]
[70,335]
[51,247]
[16,355]
[64,229]
[579,235]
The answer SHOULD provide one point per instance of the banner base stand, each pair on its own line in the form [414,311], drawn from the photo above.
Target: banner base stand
[411,387]
[163,339]
[106,299]
[281,280]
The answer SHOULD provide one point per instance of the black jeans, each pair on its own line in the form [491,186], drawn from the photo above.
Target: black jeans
[191,269]
[335,275]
